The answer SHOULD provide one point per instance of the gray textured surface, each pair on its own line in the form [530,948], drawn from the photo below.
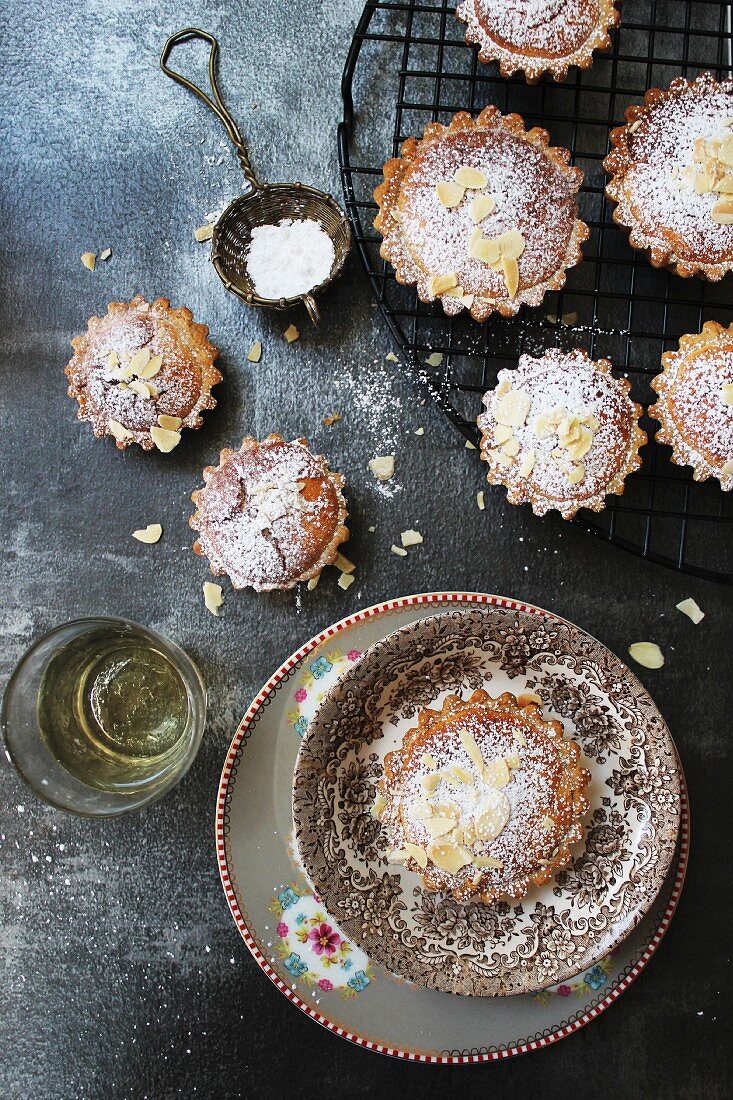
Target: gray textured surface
[123,973]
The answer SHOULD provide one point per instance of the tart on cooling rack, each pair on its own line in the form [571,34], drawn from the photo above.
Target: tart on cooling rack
[484,797]
[270,514]
[481,214]
[539,36]
[671,169]
[695,405]
[143,372]
[560,432]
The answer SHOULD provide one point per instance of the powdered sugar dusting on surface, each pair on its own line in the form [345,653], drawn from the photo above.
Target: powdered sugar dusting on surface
[571,381]
[555,27]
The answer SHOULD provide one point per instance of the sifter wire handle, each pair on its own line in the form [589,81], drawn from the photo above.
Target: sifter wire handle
[216,104]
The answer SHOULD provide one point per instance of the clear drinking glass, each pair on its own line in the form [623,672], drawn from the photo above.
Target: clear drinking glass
[102,716]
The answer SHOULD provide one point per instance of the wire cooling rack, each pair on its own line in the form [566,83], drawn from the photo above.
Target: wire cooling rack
[409,65]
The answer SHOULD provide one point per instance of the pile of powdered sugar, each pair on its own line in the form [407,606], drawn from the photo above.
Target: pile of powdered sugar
[289,258]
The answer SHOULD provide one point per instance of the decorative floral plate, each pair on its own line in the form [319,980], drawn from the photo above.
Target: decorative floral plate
[309,955]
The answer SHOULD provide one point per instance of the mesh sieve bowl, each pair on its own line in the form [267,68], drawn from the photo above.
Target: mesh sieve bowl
[263,204]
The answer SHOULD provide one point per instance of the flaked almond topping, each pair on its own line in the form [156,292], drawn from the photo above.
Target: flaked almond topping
[204,233]
[576,474]
[421,811]
[496,774]
[346,580]
[467,300]
[725,185]
[113,360]
[722,212]
[378,805]
[419,431]
[726,392]
[438,826]
[438,284]
[382,467]
[458,774]
[122,386]
[417,853]
[511,447]
[581,445]
[511,244]
[139,361]
[725,151]
[558,456]
[391,357]
[331,419]
[491,815]
[520,738]
[512,760]
[692,609]
[172,423]
[105,253]
[291,333]
[548,823]
[510,268]
[430,782]
[151,368]
[140,388]
[255,352]
[428,760]
[634,126]
[149,534]
[727,469]
[398,550]
[213,597]
[343,563]
[481,207]
[511,409]
[470,446]
[481,503]
[164,439]
[89,259]
[313,582]
[434,359]
[448,857]
[527,698]
[472,178]
[502,432]
[410,538]
[488,863]
[397,855]
[647,654]
[474,752]
[119,431]
[481,248]
[526,466]
[449,193]
[468,834]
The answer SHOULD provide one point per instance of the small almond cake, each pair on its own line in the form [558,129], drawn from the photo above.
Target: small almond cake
[671,169]
[142,373]
[484,797]
[270,515]
[481,214]
[695,406]
[560,432]
[538,36]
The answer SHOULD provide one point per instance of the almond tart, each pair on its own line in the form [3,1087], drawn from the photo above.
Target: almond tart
[143,372]
[483,798]
[270,514]
[695,406]
[538,36]
[671,169]
[481,214]
[560,432]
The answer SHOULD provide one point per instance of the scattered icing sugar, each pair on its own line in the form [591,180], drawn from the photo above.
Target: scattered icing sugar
[289,258]
[572,381]
[556,27]
[697,415]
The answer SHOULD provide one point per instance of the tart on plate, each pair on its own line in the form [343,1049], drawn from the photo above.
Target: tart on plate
[695,403]
[538,36]
[481,214]
[484,797]
[142,373]
[270,515]
[671,169]
[560,432]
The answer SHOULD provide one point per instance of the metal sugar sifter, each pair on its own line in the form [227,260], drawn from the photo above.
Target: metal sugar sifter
[263,204]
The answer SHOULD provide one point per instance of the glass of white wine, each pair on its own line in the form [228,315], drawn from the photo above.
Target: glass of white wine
[102,716]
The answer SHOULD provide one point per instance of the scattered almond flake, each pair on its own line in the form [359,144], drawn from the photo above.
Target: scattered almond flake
[398,550]
[139,361]
[513,760]
[511,275]
[417,853]
[511,447]
[419,431]
[411,538]
[520,738]
[438,826]
[474,752]
[421,811]
[438,284]
[470,446]
[397,855]
[527,698]
[429,783]
[722,212]
[456,772]
[113,360]
[496,774]
[140,388]
[482,206]
[164,439]
[379,803]
[313,582]
[647,654]
[331,419]
[371,528]
[570,319]
[634,126]
[119,431]
[449,193]
[255,352]
[448,857]
[172,423]
[472,178]
[480,500]
[527,464]
[204,233]
[213,597]
[511,244]
[434,359]
[344,564]
[512,408]
[428,760]
[727,468]
[105,253]
[382,467]
[346,580]
[484,249]
[89,259]
[149,534]
[576,474]
[391,357]
[488,863]
[691,608]
[548,823]
[726,392]
[291,333]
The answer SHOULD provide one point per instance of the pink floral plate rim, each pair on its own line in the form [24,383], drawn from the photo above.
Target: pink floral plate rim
[241,736]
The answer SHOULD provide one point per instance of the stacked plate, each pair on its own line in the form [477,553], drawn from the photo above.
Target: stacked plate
[359,943]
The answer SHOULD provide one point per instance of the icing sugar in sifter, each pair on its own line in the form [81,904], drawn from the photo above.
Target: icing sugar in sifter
[262,205]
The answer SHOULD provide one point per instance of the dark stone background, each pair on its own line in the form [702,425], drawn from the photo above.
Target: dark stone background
[124,975]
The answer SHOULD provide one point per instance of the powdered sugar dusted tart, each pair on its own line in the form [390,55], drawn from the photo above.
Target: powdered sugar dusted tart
[539,35]
[143,372]
[560,432]
[671,171]
[484,797]
[481,214]
[270,514]
[695,406]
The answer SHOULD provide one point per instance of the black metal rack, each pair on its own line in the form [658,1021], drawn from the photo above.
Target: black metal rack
[409,64]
